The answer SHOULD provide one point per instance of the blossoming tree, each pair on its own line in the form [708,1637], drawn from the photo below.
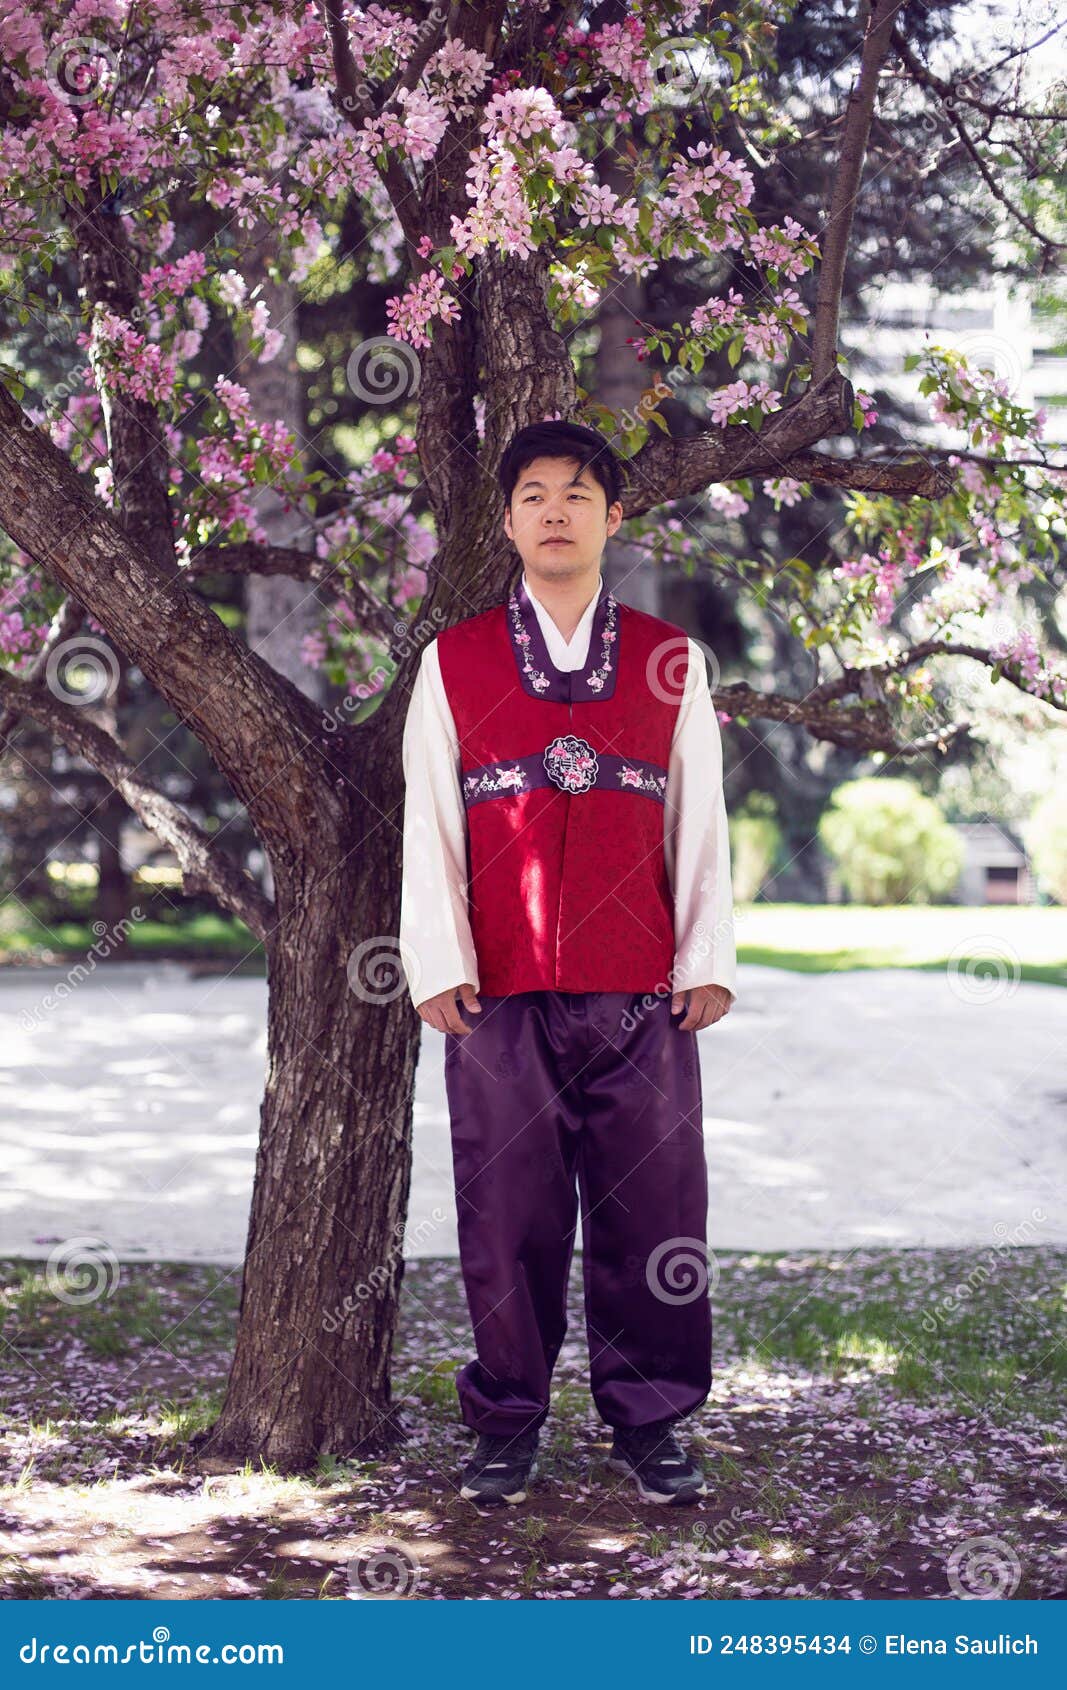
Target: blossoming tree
[471,134]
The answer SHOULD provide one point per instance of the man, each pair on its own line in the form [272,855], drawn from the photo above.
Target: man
[566,864]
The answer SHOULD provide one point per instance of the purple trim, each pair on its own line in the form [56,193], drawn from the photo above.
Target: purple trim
[523,774]
[539,676]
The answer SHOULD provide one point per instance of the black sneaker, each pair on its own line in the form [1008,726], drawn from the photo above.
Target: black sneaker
[657,1463]
[500,1467]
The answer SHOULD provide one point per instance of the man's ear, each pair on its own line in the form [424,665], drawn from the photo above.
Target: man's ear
[615,517]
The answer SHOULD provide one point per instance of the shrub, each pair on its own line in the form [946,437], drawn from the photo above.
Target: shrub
[890,843]
[1046,840]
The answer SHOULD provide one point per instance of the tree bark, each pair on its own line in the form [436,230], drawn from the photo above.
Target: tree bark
[112,903]
[333,1168]
[620,384]
[279,609]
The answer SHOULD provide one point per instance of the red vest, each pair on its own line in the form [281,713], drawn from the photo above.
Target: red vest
[564,780]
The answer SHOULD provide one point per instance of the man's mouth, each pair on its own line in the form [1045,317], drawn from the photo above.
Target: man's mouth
[555,542]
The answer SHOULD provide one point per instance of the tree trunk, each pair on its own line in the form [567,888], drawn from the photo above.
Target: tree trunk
[333,1169]
[279,610]
[620,382]
[112,903]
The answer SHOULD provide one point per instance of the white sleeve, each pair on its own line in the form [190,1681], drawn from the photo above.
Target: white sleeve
[697,842]
[436,946]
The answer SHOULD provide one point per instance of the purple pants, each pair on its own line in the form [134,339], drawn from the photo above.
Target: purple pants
[605,1086]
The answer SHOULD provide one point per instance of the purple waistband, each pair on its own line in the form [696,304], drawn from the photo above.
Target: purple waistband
[522,774]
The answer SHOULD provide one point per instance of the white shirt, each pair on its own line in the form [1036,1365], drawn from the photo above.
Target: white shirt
[436,946]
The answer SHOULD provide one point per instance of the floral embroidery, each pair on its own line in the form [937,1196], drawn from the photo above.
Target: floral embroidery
[642,782]
[594,679]
[598,677]
[537,677]
[497,779]
[571,763]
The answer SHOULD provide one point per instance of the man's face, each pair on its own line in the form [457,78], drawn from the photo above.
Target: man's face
[552,501]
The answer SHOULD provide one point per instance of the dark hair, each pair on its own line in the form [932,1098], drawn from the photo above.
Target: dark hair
[562,440]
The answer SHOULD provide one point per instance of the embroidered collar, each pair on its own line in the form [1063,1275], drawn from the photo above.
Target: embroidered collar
[539,676]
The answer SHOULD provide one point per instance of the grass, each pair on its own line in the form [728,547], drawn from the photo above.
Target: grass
[134,1314]
[991,1336]
[823,938]
[871,1410]
[806,938]
[207,936]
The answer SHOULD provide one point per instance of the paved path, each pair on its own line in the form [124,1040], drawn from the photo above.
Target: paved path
[871,1108]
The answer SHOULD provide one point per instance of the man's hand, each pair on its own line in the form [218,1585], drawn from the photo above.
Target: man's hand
[441,1012]
[705,1006]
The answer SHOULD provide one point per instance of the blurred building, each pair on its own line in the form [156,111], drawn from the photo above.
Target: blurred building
[996,868]
[992,328]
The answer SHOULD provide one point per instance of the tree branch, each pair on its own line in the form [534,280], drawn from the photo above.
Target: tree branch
[64,626]
[358,112]
[670,468]
[866,726]
[838,230]
[202,862]
[248,558]
[904,477]
[262,732]
[950,95]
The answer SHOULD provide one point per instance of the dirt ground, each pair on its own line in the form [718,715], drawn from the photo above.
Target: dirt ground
[870,1432]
